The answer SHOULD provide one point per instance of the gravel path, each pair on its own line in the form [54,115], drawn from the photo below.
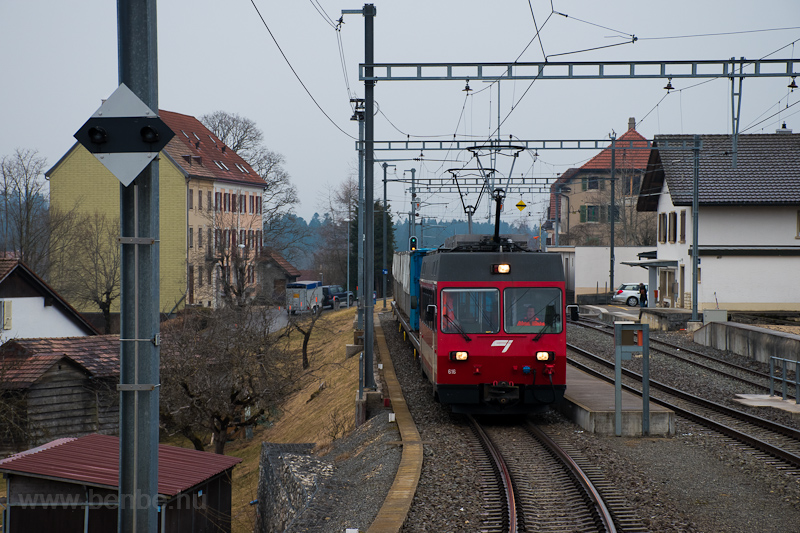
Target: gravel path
[694,482]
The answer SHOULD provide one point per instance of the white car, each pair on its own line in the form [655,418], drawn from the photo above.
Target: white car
[628,293]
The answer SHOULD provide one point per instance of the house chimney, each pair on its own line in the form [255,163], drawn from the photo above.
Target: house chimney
[783,129]
[631,123]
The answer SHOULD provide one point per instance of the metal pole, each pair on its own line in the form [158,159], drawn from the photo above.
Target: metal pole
[360,291]
[369,185]
[413,204]
[555,223]
[139,288]
[612,208]
[385,234]
[695,209]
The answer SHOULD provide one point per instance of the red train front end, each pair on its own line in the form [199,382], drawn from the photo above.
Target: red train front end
[492,333]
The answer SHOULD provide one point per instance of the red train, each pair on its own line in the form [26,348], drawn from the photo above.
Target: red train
[491,333]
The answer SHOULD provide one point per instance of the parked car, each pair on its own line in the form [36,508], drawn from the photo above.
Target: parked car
[628,293]
[337,292]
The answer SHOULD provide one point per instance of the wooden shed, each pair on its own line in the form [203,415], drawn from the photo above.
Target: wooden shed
[57,387]
[71,486]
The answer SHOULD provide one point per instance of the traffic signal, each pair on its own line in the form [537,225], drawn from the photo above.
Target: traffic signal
[412,243]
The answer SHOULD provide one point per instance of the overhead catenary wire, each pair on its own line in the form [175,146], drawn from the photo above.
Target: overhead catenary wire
[296,75]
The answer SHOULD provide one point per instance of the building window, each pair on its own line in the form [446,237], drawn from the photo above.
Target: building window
[191,285]
[683,225]
[200,200]
[210,250]
[258,205]
[191,199]
[673,226]
[227,205]
[208,204]
[592,213]
[592,183]
[200,237]
[252,204]
[191,237]
[200,276]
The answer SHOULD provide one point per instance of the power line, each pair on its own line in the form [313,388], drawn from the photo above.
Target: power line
[716,34]
[295,72]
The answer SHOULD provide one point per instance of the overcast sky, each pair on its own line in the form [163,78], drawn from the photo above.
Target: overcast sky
[59,59]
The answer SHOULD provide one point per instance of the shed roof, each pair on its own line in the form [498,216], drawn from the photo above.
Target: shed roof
[27,359]
[94,460]
[767,170]
[281,261]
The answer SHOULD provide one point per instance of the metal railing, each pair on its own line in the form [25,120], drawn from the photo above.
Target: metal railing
[783,379]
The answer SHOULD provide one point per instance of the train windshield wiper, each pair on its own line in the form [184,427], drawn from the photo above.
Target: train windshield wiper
[458,328]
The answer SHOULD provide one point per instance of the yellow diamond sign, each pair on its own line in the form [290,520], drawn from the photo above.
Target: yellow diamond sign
[521,205]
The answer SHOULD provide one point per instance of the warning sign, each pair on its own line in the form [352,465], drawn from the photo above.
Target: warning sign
[521,205]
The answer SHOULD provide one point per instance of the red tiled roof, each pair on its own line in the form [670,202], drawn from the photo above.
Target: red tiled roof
[25,360]
[625,157]
[94,460]
[196,149]
[6,266]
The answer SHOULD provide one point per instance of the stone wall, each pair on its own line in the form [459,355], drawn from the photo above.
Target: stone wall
[289,478]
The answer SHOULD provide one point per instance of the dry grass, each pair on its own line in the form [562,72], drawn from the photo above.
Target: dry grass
[310,415]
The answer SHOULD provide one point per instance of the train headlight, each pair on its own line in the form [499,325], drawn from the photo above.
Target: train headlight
[502,268]
[547,357]
[459,356]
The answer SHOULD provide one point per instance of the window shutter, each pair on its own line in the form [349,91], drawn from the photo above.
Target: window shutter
[584,185]
[6,314]
[583,213]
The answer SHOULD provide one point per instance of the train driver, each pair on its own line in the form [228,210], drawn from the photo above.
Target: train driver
[530,318]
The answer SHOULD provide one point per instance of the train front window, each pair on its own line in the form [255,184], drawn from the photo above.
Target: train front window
[532,310]
[470,311]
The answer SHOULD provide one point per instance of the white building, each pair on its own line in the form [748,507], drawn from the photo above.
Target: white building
[748,221]
[29,308]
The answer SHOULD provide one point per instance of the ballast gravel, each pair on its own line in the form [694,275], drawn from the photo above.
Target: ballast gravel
[697,481]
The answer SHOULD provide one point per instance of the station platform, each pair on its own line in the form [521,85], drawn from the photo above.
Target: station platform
[589,402]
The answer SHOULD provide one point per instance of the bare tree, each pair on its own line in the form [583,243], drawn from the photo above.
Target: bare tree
[89,272]
[24,197]
[221,370]
[280,197]
[239,133]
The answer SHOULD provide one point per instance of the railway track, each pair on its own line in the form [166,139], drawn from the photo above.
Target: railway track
[751,377]
[533,484]
[778,444]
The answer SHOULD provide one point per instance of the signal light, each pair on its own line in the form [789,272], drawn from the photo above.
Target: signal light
[546,356]
[412,243]
[149,134]
[98,135]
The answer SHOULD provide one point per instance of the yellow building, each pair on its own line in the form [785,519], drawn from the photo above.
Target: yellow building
[209,209]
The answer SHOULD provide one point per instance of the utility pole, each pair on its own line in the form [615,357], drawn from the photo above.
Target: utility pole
[613,208]
[412,228]
[695,232]
[139,288]
[385,233]
[359,116]
[369,182]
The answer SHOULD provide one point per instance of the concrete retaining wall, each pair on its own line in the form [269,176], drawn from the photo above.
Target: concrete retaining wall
[751,341]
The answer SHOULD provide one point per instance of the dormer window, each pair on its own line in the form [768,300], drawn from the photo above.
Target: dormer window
[224,165]
[185,134]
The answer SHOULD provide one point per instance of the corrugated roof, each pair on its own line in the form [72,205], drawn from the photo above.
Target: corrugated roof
[767,170]
[94,460]
[195,148]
